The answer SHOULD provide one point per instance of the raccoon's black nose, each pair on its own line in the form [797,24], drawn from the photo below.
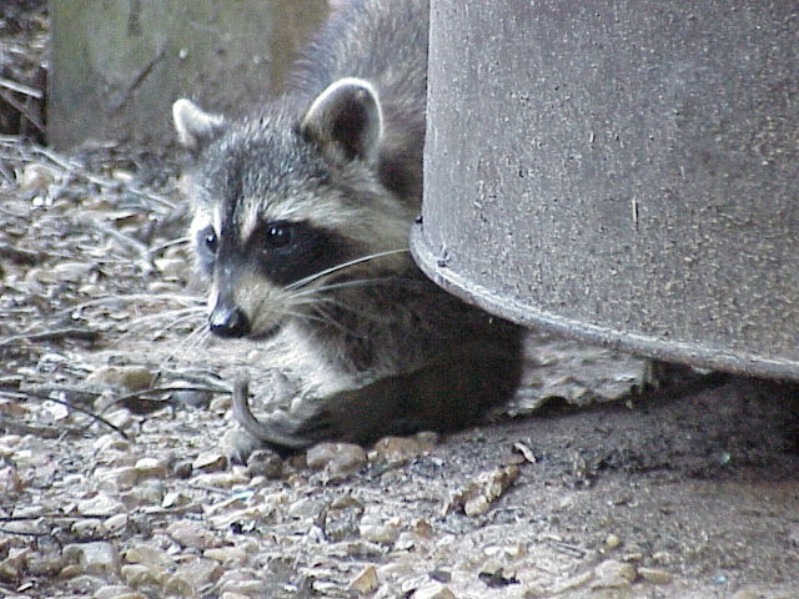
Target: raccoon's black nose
[229,322]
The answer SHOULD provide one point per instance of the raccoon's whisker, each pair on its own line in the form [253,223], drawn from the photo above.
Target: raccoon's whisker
[179,317]
[375,316]
[344,285]
[320,314]
[325,317]
[186,317]
[193,340]
[344,265]
[197,337]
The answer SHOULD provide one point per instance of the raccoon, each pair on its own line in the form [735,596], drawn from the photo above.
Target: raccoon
[302,214]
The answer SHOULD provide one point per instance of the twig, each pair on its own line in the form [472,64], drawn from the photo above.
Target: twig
[33,119]
[141,396]
[21,88]
[77,169]
[138,247]
[28,395]
[54,335]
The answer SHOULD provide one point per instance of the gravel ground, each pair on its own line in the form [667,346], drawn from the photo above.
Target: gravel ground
[114,480]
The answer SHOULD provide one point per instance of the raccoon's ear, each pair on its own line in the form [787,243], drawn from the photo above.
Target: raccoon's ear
[196,128]
[346,119]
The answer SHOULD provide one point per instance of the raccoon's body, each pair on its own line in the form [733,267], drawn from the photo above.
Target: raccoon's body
[302,217]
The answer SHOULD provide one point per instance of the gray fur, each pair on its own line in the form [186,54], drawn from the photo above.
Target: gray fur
[339,158]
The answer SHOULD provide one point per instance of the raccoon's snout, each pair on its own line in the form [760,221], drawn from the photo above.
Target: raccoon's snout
[229,321]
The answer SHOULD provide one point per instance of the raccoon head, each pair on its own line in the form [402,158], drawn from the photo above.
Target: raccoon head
[283,200]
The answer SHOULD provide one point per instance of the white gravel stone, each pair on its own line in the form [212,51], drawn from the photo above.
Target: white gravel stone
[307,507]
[139,575]
[115,523]
[192,534]
[654,575]
[151,468]
[195,574]
[365,582]
[210,461]
[87,529]
[111,442]
[227,556]
[220,480]
[149,556]
[433,590]
[376,528]
[115,480]
[117,592]
[97,558]
[613,574]
[101,505]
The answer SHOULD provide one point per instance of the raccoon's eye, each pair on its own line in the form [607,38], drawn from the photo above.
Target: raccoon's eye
[209,240]
[277,235]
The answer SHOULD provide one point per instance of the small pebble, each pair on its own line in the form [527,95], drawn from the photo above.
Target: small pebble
[99,557]
[175,499]
[663,557]
[111,442]
[88,529]
[374,527]
[365,582]
[101,505]
[612,541]
[182,469]
[613,574]
[115,523]
[115,480]
[336,459]
[195,574]
[210,461]
[342,519]
[151,468]
[654,575]
[396,450]
[117,591]
[266,463]
[129,378]
[192,534]
[220,480]
[36,177]
[148,556]
[433,590]
[227,556]
[139,575]
[148,492]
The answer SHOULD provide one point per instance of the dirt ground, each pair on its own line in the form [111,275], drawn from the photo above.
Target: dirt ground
[114,480]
